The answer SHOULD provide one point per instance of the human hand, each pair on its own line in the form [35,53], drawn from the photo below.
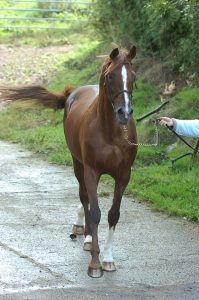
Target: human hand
[165,121]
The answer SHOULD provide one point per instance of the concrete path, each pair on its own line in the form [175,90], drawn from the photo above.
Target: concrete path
[157,257]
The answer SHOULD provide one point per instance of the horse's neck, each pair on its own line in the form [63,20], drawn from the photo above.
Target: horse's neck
[106,116]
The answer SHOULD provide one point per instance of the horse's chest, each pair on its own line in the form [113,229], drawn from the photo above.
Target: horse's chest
[113,157]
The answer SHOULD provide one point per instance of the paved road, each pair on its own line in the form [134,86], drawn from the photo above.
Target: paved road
[157,257]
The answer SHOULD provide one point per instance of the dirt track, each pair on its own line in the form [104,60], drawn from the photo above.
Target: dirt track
[157,257]
[29,65]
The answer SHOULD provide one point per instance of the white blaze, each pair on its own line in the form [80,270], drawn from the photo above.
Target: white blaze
[126,96]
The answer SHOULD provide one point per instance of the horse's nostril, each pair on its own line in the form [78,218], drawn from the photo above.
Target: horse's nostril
[120,111]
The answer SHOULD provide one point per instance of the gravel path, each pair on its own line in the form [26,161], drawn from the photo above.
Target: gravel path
[156,256]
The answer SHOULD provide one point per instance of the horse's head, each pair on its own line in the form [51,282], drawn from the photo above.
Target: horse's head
[118,78]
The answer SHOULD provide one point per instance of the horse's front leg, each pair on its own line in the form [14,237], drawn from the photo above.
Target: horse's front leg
[113,217]
[91,179]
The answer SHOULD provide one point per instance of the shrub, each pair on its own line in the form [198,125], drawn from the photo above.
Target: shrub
[167,29]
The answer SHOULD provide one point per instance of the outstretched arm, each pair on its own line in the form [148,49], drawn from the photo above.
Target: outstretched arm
[188,128]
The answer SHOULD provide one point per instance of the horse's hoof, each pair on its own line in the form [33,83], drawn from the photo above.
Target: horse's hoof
[95,273]
[87,246]
[78,229]
[108,266]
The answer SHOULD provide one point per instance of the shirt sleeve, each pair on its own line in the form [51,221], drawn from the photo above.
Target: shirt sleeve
[188,128]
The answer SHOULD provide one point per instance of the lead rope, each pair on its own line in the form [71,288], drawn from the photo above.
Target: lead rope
[126,137]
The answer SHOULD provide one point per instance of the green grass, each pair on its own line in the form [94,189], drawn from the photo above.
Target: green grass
[40,131]
[80,66]
[171,190]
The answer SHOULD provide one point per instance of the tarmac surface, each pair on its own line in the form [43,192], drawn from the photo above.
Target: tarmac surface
[157,257]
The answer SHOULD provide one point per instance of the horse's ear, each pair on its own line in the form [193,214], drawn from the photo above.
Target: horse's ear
[132,52]
[114,53]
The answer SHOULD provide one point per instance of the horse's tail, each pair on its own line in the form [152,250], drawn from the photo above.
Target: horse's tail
[35,95]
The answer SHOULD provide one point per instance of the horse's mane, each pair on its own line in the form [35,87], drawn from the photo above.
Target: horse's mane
[110,65]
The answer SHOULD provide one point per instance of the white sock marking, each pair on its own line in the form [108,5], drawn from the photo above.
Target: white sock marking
[108,255]
[80,216]
[88,239]
[126,96]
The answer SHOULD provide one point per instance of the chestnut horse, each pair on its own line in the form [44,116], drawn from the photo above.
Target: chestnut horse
[93,125]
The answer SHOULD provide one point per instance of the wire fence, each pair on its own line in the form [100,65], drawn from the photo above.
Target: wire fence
[58,1]
[43,11]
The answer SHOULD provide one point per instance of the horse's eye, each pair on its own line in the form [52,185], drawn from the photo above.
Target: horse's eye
[111,77]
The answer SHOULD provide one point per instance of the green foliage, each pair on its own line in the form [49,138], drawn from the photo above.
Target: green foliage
[168,29]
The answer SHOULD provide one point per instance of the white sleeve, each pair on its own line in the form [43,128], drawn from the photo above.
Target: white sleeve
[187,127]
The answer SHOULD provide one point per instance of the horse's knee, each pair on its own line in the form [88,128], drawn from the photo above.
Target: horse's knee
[95,214]
[113,217]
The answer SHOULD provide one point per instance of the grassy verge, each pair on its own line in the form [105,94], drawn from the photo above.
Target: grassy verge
[172,190]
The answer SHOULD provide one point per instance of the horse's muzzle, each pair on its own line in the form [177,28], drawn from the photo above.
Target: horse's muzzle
[123,116]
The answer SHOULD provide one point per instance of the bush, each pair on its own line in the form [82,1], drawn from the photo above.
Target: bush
[167,29]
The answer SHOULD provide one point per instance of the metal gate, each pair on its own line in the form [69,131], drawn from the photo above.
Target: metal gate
[42,14]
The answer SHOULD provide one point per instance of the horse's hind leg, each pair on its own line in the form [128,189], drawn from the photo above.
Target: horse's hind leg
[113,217]
[83,207]
[78,227]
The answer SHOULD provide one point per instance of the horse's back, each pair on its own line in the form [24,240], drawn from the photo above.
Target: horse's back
[80,99]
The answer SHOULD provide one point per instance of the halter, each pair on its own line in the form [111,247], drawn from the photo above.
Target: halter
[113,97]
